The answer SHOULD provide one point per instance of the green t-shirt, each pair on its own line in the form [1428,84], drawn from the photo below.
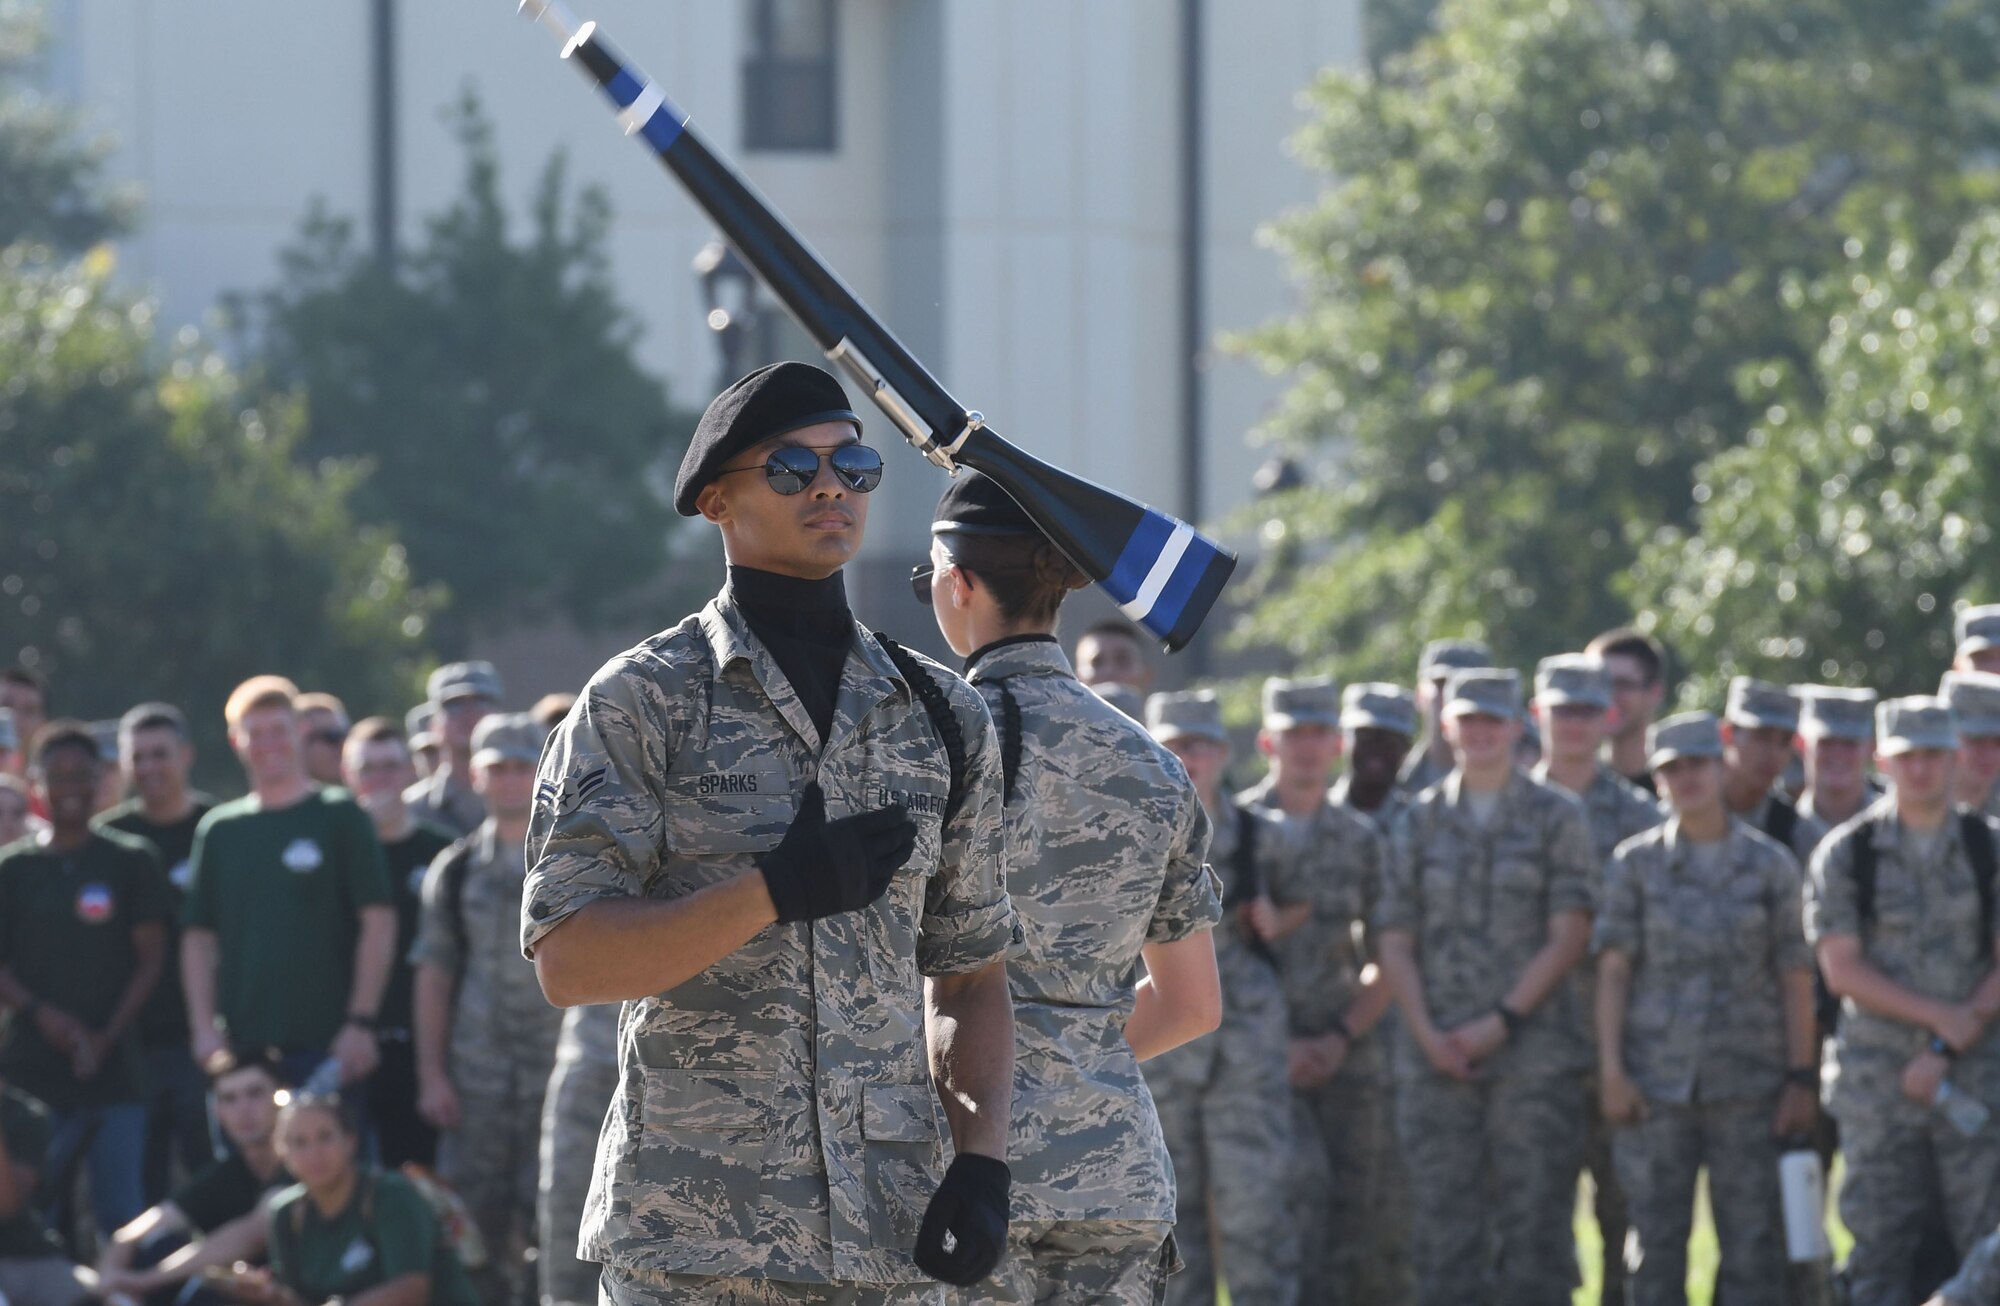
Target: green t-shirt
[25,1125]
[222,1191]
[164,1022]
[66,923]
[283,891]
[386,1230]
[409,857]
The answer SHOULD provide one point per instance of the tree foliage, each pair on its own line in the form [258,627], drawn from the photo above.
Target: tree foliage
[158,536]
[491,392]
[52,185]
[1552,234]
[1835,543]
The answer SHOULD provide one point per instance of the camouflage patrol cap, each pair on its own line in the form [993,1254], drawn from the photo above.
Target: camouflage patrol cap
[1379,706]
[1919,721]
[1690,734]
[462,679]
[1484,691]
[1442,656]
[1126,698]
[507,736]
[1975,700]
[1830,712]
[770,402]
[1976,629]
[1760,705]
[1307,701]
[1195,713]
[418,719]
[1573,679]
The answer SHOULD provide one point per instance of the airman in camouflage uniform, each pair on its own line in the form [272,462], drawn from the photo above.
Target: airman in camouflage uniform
[1378,724]
[1837,727]
[1759,725]
[1224,1105]
[1977,1282]
[1105,844]
[582,1085]
[502,1030]
[1431,758]
[1914,938]
[813,822]
[1349,1248]
[1976,634]
[1573,701]
[1975,703]
[1707,1054]
[1485,909]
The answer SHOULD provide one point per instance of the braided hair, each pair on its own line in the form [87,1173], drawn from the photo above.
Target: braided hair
[943,720]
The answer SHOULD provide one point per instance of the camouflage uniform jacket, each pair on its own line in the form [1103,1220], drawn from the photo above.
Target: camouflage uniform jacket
[1807,831]
[499,1017]
[1924,934]
[1617,809]
[455,807]
[1705,1019]
[1334,862]
[1105,844]
[1419,771]
[1478,902]
[1977,1282]
[775,1116]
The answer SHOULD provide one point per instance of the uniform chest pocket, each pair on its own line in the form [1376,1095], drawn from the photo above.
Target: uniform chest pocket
[727,809]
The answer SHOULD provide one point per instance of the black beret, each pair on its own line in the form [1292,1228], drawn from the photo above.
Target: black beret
[976,505]
[763,405]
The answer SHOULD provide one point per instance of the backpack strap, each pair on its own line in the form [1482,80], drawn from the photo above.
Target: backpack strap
[1781,820]
[943,720]
[1985,858]
[1010,741]
[451,899]
[1864,871]
[1249,879]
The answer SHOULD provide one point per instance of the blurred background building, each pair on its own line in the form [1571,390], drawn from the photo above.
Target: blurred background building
[1054,204]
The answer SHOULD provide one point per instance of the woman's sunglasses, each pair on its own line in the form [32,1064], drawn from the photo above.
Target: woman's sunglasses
[920,582]
[791,468]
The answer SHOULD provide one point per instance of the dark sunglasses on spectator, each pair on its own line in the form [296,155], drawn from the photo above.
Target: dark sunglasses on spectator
[791,468]
[920,582]
[331,738]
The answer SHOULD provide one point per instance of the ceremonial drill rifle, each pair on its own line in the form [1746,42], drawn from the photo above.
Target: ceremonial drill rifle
[1160,571]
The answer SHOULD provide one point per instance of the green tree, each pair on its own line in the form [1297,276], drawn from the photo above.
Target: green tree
[1834,544]
[491,391]
[159,538]
[52,185]
[1552,232]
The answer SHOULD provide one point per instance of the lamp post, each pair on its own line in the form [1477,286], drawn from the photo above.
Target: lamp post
[729,293]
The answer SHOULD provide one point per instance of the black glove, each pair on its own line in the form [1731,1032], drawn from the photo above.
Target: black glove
[823,867]
[970,1210]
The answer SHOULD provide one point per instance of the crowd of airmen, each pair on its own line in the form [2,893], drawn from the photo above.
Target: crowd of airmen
[1487,957]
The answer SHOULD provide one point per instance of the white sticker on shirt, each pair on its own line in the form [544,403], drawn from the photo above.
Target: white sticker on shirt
[417,881]
[357,1256]
[302,856]
[182,875]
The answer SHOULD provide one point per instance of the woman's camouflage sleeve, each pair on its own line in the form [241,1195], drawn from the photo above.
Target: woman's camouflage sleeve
[1788,930]
[1573,865]
[598,820]
[1399,906]
[1830,906]
[969,920]
[1191,894]
[1616,928]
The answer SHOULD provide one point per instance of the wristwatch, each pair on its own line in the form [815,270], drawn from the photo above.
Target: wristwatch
[362,1020]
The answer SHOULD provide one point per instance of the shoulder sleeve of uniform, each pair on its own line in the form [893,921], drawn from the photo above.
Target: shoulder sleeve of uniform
[1400,907]
[969,920]
[599,817]
[1191,894]
[1786,913]
[1830,906]
[437,942]
[1573,867]
[1617,925]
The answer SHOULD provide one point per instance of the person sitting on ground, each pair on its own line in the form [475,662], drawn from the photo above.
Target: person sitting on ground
[347,1231]
[217,1217]
[33,1269]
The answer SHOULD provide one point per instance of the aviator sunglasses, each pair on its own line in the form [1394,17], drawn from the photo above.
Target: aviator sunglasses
[791,468]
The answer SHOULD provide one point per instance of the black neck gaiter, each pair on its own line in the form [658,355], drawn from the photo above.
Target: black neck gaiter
[808,628]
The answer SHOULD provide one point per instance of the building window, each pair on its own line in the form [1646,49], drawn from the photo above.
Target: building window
[788,76]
